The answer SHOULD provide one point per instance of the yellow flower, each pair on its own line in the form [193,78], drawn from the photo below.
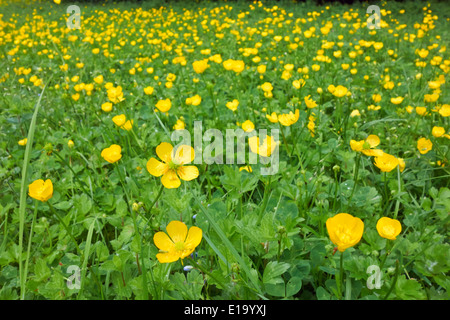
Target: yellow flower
[310,103]
[376,97]
[355,113]
[57,1]
[401,164]
[179,243]
[107,106]
[437,131]
[386,162]
[248,126]
[194,101]
[431,97]
[367,146]
[421,111]
[261,68]
[289,119]
[424,145]
[164,105]
[389,228]
[128,125]
[232,105]
[246,168]
[444,110]
[180,125]
[267,87]
[340,91]
[344,230]
[41,190]
[70,144]
[298,83]
[112,154]
[357,145]
[265,149]
[173,165]
[119,120]
[23,142]
[98,79]
[200,66]
[272,117]
[397,100]
[148,90]
[115,94]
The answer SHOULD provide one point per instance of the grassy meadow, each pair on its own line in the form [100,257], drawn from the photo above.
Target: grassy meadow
[97,201]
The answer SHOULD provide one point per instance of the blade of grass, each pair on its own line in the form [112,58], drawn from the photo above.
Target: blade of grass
[86,256]
[23,191]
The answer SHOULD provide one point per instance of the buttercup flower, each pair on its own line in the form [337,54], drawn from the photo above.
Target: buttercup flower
[367,146]
[310,103]
[41,190]
[164,105]
[345,230]
[437,131]
[397,100]
[444,110]
[389,228]
[339,91]
[248,126]
[112,154]
[232,105]
[178,243]
[23,142]
[246,168]
[107,106]
[200,66]
[173,168]
[386,162]
[148,90]
[424,145]
[273,117]
[180,125]
[289,119]
[266,148]
[194,101]
[119,120]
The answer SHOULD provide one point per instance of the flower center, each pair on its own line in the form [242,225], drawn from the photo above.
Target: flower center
[344,235]
[179,246]
[173,166]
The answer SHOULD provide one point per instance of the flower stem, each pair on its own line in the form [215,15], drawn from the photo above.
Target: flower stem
[358,160]
[397,267]
[340,281]
[144,268]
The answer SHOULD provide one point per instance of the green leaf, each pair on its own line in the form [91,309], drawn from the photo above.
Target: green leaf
[409,289]
[273,271]
[41,270]
[293,286]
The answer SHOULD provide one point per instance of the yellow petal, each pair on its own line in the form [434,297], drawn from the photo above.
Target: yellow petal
[194,237]
[373,140]
[164,151]
[185,154]
[170,180]
[187,173]
[156,168]
[167,257]
[162,241]
[177,231]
